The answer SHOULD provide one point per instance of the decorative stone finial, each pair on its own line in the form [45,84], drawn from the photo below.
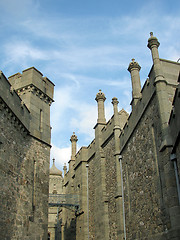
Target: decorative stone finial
[100,95]
[134,65]
[115,101]
[152,41]
[65,168]
[73,138]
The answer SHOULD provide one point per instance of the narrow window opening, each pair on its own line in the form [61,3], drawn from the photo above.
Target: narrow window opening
[34,187]
[41,121]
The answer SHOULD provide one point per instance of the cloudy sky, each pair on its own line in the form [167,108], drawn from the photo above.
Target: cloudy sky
[83,46]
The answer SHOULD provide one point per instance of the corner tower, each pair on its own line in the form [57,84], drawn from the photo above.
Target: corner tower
[36,92]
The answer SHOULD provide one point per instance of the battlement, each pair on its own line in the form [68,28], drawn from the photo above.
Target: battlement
[31,77]
[36,92]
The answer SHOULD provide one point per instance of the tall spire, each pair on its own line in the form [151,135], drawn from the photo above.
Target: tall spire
[100,98]
[73,146]
[134,69]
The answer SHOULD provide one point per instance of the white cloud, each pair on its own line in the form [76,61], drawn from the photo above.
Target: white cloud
[61,155]
[20,53]
[84,120]
[63,102]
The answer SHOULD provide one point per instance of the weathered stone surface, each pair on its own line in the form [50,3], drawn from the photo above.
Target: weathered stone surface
[24,164]
[147,206]
[24,198]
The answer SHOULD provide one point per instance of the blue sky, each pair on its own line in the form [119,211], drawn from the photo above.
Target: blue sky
[84,46]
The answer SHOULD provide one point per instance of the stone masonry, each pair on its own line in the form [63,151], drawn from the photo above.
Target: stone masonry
[127,179]
[124,185]
[24,155]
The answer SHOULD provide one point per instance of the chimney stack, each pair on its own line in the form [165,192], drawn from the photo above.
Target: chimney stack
[134,69]
[100,98]
[73,146]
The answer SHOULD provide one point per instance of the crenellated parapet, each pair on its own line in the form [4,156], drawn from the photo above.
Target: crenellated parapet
[37,92]
[31,76]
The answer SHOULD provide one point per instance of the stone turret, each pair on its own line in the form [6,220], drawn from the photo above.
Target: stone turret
[153,45]
[116,115]
[119,200]
[65,169]
[134,69]
[73,140]
[100,98]
[36,92]
[161,89]
[73,146]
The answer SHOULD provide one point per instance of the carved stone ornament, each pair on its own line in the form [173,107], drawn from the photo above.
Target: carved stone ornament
[100,95]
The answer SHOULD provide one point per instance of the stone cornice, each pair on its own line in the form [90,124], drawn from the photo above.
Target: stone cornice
[36,91]
[13,118]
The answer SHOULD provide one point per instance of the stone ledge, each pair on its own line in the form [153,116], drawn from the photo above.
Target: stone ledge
[31,88]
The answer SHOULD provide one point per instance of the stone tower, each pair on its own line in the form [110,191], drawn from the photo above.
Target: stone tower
[36,92]
[25,154]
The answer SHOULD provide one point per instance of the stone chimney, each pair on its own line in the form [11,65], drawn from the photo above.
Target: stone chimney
[160,83]
[153,45]
[134,69]
[73,146]
[116,114]
[100,98]
[65,169]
